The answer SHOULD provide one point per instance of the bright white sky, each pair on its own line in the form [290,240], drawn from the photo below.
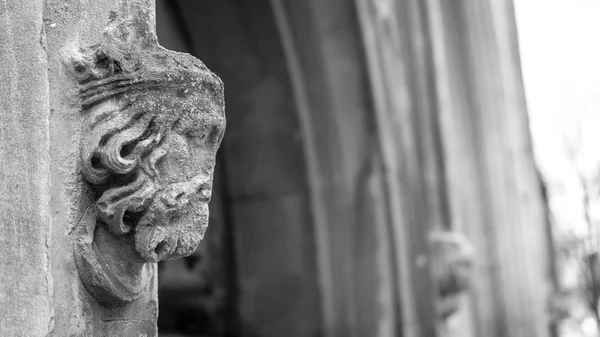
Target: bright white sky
[560,54]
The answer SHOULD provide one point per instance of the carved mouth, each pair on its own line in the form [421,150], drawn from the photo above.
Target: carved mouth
[177,238]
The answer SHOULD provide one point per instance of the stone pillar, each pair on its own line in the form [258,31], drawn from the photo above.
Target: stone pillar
[363,243]
[415,111]
[26,303]
[108,145]
[495,193]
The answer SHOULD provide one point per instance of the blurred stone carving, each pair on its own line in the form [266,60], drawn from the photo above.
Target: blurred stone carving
[153,120]
[452,261]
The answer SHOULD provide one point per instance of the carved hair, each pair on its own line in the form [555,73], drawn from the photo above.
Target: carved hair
[122,161]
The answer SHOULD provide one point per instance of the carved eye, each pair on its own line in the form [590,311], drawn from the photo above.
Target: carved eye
[215,133]
[199,134]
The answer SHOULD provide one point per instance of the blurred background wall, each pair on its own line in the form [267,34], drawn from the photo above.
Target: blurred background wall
[355,130]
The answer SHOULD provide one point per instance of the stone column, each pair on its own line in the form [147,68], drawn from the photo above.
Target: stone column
[495,193]
[26,303]
[107,158]
[415,111]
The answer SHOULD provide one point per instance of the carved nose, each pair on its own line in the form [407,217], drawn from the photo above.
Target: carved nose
[205,194]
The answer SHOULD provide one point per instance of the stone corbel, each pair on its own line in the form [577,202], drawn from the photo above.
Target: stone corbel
[451,268]
[153,120]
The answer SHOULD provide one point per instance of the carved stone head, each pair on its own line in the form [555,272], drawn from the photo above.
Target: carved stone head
[451,268]
[152,123]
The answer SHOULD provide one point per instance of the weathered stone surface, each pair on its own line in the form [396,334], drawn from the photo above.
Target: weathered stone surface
[153,121]
[25,222]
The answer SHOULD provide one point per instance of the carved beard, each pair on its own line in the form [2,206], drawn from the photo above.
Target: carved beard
[169,222]
[175,222]
[152,206]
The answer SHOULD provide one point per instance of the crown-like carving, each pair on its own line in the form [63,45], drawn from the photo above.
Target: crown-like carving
[130,59]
